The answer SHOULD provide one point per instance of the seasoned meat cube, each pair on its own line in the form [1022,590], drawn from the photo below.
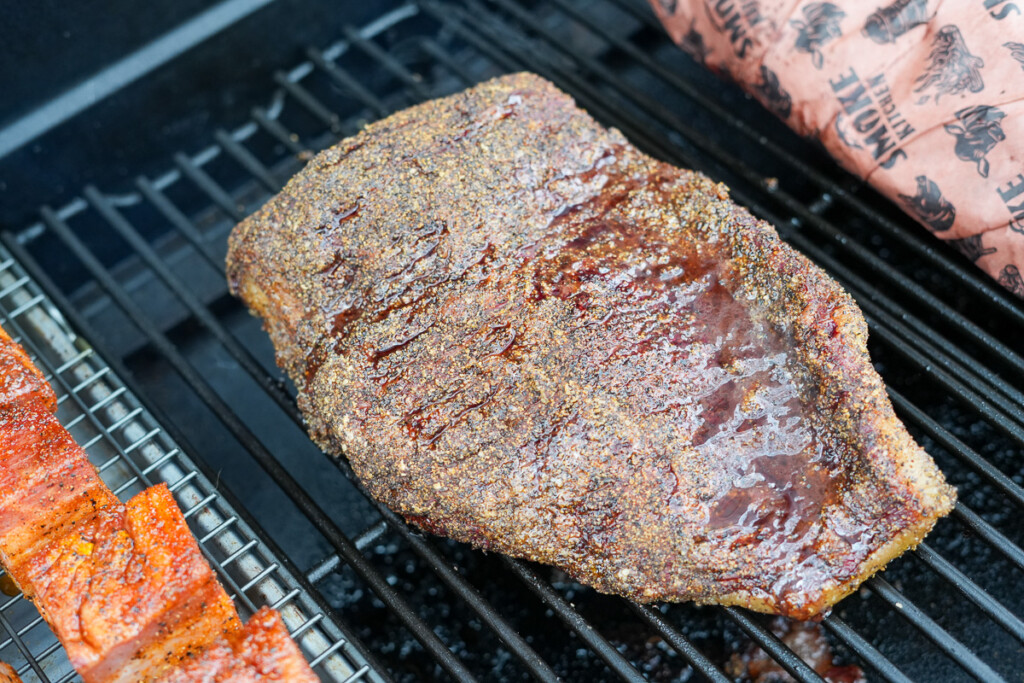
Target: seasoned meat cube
[7,674]
[128,592]
[47,485]
[262,651]
[21,382]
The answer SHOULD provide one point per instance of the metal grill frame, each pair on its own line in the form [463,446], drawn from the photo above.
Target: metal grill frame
[504,33]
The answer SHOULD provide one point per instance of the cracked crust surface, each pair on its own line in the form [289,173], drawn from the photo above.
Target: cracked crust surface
[525,334]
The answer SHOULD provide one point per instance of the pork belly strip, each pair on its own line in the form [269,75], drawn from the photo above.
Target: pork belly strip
[128,592]
[47,484]
[21,382]
[125,587]
[261,651]
[525,334]
[7,674]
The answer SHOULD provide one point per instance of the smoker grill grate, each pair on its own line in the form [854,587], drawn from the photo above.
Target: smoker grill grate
[950,361]
[132,451]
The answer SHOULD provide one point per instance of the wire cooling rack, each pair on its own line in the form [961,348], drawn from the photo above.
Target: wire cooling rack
[132,451]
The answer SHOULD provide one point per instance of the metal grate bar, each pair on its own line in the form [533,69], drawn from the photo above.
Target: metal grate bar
[956,650]
[453,65]
[989,534]
[411,81]
[347,81]
[964,453]
[462,588]
[277,131]
[957,389]
[247,160]
[868,653]
[457,584]
[303,501]
[680,643]
[771,644]
[571,618]
[198,176]
[332,561]
[303,97]
[177,219]
[357,675]
[33,663]
[128,232]
[991,607]
[873,301]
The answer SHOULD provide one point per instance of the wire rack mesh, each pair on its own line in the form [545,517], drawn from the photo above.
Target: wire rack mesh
[935,351]
[132,451]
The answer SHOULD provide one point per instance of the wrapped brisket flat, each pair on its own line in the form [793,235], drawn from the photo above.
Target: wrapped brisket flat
[923,99]
[527,335]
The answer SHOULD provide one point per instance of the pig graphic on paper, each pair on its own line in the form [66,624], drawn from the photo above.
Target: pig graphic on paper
[1011,279]
[972,247]
[930,207]
[887,24]
[952,68]
[774,95]
[819,27]
[693,44]
[977,131]
[1016,51]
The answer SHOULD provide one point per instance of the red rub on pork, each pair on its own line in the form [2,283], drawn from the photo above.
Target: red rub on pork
[47,484]
[261,651]
[21,382]
[129,593]
[7,674]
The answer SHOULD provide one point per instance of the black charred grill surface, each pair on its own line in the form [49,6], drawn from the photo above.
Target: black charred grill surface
[525,334]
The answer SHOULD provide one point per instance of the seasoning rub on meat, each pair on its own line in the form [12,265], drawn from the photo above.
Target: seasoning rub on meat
[525,334]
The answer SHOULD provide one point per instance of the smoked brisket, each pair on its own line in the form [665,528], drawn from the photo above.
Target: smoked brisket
[525,334]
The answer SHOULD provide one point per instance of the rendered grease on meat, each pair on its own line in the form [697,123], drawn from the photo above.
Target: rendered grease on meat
[527,335]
